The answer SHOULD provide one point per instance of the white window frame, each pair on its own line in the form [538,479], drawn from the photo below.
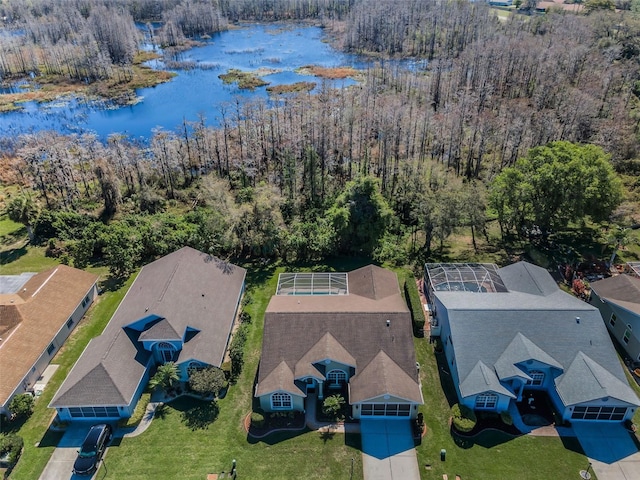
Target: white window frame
[537,378]
[486,401]
[612,320]
[627,335]
[281,401]
[336,377]
[167,352]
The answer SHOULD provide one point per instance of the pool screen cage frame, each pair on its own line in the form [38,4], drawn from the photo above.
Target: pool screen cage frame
[314,283]
[449,277]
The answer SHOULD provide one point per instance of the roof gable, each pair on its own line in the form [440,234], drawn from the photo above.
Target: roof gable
[161,330]
[528,278]
[328,348]
[623,290]
[383,376]
[279,379]
[482,379]
[586,380]
[520,350]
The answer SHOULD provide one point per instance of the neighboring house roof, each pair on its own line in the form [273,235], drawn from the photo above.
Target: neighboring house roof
[623,290]
[351,329]
[534,320]
[31,317]
[186,295]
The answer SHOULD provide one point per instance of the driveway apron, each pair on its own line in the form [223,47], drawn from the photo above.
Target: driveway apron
[611,450]
[387,450]
[60,464]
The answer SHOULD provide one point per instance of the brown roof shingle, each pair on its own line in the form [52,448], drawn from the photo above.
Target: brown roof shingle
[48,300]
[351,329]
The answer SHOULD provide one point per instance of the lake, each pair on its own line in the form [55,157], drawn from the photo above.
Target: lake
[193,93]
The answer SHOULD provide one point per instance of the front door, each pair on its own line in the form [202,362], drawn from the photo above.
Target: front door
[311,385]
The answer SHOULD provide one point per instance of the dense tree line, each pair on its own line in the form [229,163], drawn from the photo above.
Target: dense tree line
[400,159]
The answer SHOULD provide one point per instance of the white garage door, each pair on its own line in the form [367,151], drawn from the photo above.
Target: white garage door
[385,410]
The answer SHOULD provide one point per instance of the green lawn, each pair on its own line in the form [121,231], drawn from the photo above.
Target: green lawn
[39,442]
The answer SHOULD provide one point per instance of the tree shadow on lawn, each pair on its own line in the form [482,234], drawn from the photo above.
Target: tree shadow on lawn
[196,414]
[486,439]
[277,437]
[12,255]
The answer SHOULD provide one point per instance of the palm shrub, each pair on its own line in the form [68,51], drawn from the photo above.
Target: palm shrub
[463,418]
[166,376]
[332,406]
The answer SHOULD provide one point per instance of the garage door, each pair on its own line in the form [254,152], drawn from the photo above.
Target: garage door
[385,410]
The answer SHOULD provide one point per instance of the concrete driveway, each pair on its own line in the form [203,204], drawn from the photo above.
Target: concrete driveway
[388,451]
[611,450]
[60,464]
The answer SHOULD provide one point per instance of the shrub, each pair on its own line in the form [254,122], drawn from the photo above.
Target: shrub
[138,413]
[257,419]
[332,405]
[226,368]
[12,444]
[22,405]
[506,418]
[208,381]
[245,317]
[463,418]
[236,350]
[415,306]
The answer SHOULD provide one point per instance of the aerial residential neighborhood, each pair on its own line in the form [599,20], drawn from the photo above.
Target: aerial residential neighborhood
[319,239]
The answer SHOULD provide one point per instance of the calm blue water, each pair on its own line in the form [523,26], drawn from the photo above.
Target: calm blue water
[193,93]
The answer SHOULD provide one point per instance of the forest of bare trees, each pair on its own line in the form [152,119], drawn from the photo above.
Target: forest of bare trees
[482,93]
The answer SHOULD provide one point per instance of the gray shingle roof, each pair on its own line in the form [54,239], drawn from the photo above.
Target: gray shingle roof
[623,290]
[520,350]
[484,326]
[186,289]
[296,328]
[482,379]
[585,380]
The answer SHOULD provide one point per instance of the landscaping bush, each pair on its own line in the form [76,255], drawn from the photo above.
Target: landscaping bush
[332,406]
[245,317]
[226,368]
[257,419]
[12,444]
[138,413]
[236,350]
[21,406]
[207,382]
[506,418]
[463,418]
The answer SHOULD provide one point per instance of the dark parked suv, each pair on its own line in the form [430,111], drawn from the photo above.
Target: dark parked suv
[93,447]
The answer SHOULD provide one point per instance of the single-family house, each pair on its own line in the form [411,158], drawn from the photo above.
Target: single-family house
[618,299]
[180,308]
[38,311]
[508,331]
[339,332]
